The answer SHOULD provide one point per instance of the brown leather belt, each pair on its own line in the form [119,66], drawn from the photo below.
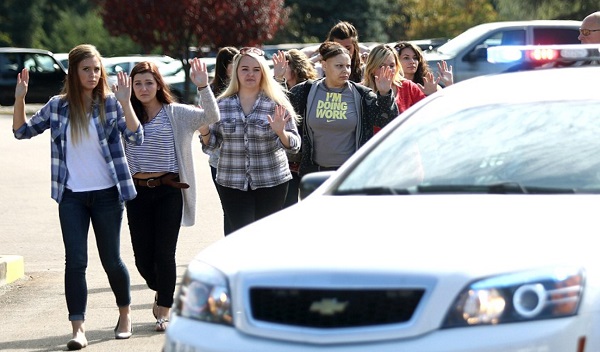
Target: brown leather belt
[169,179]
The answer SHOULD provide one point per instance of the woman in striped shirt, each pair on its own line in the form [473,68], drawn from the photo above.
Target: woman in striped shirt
[257,127]
[163,173]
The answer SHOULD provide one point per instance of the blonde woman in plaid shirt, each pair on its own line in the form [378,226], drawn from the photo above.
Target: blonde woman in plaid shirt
[256,129]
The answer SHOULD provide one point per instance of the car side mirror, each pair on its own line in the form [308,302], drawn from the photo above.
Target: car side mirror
[312,181]
[477,54]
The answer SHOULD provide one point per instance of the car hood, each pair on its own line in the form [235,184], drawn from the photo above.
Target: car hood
[471,234]
[436,56]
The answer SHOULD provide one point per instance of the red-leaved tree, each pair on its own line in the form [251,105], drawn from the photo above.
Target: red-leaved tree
[174,26]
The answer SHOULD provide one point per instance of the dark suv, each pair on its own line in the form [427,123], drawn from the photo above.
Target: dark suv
[46,75]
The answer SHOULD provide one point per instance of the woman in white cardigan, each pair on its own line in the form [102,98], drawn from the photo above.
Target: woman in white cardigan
[163,173]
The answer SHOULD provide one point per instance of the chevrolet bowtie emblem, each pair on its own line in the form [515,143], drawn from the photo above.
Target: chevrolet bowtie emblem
[328,306]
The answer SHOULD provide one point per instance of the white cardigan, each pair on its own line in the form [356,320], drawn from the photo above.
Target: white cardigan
[185,120]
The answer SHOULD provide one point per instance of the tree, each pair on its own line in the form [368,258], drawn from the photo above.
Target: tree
[310,21]
[175,26]
[447,18]
[545,9]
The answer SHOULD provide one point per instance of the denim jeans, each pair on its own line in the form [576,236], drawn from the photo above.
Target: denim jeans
[105,211]
[245,207]
[154,218]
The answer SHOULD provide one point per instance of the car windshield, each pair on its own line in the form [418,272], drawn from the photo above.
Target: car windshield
[454,46]
[541,147]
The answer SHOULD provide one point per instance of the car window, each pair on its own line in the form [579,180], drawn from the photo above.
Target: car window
[10,63]
[512,37]
[40,63]
[116,68]
[548,144]
[545,36]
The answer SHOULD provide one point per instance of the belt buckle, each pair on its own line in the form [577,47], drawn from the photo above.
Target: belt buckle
[148,183]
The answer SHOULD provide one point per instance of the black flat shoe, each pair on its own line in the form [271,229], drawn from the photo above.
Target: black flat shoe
[123,335]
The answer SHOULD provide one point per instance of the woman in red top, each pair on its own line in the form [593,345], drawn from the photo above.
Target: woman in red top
[406,92]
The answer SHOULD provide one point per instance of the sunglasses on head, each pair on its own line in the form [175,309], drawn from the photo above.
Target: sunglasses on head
[251,50]
[585,32]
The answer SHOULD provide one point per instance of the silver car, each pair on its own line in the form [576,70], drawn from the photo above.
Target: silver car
[467,53]
[468,224]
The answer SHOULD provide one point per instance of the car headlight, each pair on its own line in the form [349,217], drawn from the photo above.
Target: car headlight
[517,297]
[204,295]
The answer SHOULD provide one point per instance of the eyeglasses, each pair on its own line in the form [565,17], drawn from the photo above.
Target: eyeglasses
[251,50]
[585,32]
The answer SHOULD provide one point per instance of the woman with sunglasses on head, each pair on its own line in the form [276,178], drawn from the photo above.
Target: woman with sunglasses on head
[163,173]
[256,129]
[338,115]
[223,71]
[416,69]
[406,92]
[90,180]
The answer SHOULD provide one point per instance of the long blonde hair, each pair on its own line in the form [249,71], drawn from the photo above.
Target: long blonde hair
[268,85]
[376,59]
[73,94]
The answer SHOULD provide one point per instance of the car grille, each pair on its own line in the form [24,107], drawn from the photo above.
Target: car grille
[338,308]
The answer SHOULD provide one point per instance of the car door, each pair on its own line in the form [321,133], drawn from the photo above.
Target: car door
[46,77]
[472,62]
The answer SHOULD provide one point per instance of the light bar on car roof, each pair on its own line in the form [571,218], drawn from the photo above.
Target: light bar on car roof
[543,53]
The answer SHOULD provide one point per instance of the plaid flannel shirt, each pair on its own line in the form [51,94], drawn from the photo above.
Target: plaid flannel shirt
[252,155]
[55,116]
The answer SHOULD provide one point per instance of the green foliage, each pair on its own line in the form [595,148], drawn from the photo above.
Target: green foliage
[546,9]
[448,18]
[72,29]
[310,21]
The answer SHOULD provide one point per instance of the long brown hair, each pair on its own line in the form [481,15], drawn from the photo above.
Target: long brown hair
[73,94]
[163,94]
[344,30]
[221,80]
[422,68]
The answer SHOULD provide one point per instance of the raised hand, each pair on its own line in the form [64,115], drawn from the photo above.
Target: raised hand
[279,120]
[280,65]
[198,73]
[446,78]
[431,84]
[384,80]
[123,88]
[22,84]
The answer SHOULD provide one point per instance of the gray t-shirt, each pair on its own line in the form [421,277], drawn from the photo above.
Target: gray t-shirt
[333,120]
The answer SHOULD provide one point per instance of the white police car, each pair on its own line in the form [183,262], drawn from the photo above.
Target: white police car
[468,224]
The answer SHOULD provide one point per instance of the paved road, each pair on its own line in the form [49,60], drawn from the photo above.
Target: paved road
[33,311]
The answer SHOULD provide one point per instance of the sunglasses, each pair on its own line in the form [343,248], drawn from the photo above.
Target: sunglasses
[585,32]
[251,50]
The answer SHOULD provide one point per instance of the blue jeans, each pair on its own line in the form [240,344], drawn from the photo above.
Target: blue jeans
[105,210]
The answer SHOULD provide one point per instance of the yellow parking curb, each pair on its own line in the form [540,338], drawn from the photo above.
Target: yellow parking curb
[12,268]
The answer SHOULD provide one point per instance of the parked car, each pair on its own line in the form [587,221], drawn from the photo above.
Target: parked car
[114,65]
[46,75]
[467,53]
[63,59]
[467,224]
[175,76]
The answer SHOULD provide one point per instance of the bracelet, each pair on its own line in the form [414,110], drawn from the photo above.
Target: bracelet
[200,88]
[204,135]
